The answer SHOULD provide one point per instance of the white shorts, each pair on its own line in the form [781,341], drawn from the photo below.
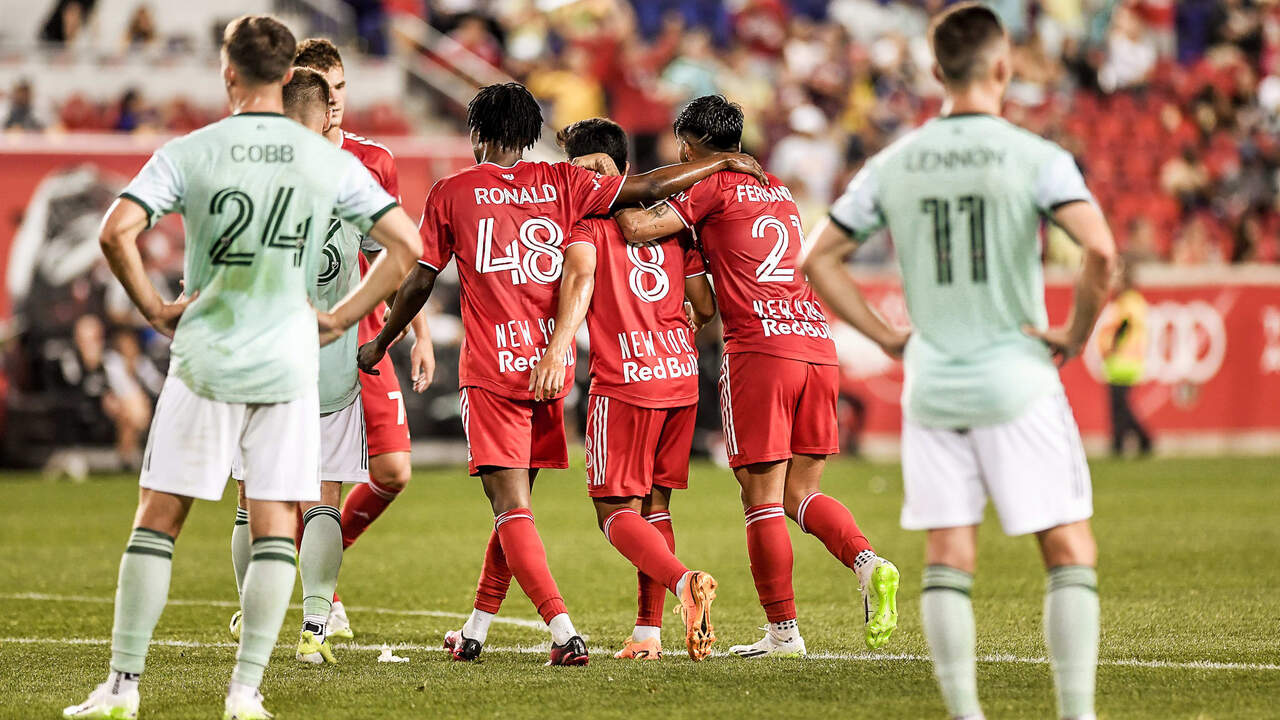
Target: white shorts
[194,441]
[1032,467]
[344,450]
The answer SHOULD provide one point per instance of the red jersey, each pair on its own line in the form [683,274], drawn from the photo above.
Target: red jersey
[378,159]
[642,349]
[507,227]
[751,235]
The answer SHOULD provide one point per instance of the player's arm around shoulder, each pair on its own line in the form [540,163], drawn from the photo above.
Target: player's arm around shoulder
[577,285]
[645,225]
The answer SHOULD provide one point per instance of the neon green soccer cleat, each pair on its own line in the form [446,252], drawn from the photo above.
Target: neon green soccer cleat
[880,599]
[338,625]
[314,651]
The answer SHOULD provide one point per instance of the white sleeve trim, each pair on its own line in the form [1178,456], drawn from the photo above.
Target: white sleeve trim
[424,263]
[679,214]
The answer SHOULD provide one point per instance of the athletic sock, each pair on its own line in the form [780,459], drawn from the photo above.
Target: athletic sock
[495,577]
[363,505]
[141,592]
[319,560]
[1071,632]
[561,628]
[646,632]
[769,548]
[527,559]
[651,596]
[477,626]
[268,585]
[949,628]
[644,546]
[240,543]
[830,521]
[786,630]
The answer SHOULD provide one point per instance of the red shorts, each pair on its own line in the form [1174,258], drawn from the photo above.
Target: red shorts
[503,432]
[384,422]
[773,407]
[631,448]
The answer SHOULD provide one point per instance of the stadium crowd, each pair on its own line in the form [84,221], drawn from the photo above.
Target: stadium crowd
[1171,108]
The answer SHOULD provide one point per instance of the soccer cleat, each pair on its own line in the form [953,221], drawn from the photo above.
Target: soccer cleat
[463,649]
[339,625]
[234,626]
[311,650]
[105,704]
[770,646]
[573,652]
[245,707]
[879,590]
[633,649]
[695,607]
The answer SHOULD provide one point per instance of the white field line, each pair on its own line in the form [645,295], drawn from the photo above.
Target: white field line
[542,648]
[43,597]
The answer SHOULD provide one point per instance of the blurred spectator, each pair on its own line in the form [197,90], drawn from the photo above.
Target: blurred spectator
[1131,53]
[1122,342]
[107,385]
[807,161]
[571,89]
[21,112]
[67,21]
[694,71]
[1185,177]
[141,33]
[132,115]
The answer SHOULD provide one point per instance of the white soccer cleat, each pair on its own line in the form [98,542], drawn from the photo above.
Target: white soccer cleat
[105,704]
[878,582]
[770,646]
[234,625]
[338,624]
[243,706]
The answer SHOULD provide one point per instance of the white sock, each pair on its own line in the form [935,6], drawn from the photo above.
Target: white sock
[477,626]
[240,690]
[122,683]
[786,631]
[317,624]
[682,584]
[646,632]
[979,716]
[561,629]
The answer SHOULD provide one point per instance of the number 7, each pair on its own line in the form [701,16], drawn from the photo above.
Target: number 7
[399,398]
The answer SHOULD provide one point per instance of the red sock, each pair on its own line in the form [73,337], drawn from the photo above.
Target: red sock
[769,548]
[651,595]
[495,577]
[644,546]
[831,522]
[363,505]
[527,559]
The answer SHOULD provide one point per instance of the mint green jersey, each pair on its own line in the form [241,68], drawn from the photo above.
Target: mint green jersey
[337,276]
[963,198]
[256,191]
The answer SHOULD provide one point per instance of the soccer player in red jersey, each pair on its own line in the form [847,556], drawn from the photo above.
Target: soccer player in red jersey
[778,377]
[643,401]
[505,220]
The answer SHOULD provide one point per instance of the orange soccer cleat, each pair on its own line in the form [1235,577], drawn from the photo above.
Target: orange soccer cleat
[695,607]
[648,649]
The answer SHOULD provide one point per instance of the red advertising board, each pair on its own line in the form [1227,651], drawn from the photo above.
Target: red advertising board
[1213,361]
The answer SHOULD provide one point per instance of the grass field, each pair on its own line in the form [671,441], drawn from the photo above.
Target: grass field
[1189,579]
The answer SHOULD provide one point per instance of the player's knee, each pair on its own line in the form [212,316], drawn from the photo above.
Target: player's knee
[1069,545]
[392,476]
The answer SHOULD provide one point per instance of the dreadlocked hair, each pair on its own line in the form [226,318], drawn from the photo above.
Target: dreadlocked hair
[506,115]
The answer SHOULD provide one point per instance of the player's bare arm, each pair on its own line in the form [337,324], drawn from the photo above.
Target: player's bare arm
[396,233]
[118,237]
[823,263]
[577,283]
[700,301]
[644,225]
[410,298]
[422,356]
[1084,222]
[666,181]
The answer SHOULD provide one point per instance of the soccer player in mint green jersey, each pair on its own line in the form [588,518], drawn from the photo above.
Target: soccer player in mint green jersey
[984,414]
[256,191]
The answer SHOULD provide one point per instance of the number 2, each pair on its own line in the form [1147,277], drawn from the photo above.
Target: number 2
[272,235]
[770,270]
